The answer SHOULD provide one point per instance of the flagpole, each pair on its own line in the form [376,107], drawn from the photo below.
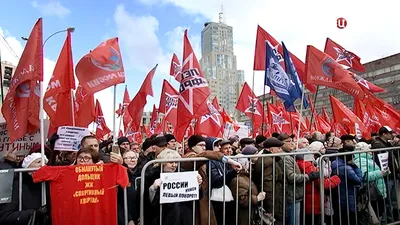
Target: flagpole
[263,113]
[300,117]
[313,111]
[120,122]
[73,108]
[252,106]
[114,109]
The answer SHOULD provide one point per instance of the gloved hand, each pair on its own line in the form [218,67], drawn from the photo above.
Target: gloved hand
[53,140]
[260,196]
[313,175]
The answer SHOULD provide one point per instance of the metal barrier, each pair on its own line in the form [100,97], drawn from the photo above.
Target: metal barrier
[281,186]
[389,182]
[391,204]
[205,160]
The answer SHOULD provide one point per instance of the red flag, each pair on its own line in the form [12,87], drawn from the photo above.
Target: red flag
[325,115]
[321,69]
[366,85]
[154,126]
[249,104]
[101,68]
[342,56]
[169,103]
[386,111]
[210,124]
[84,108]
[193,90]
[260,52]
[322,125]
[136,106]
[57,99]
[101,126]
[122,109]
[343,115]
[21,104]
[176,68]
[280,121]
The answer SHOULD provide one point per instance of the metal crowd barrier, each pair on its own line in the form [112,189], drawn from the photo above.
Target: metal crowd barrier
[337,217]
[391,202]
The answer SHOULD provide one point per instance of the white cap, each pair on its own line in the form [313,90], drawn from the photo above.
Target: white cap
[388,128]
[29,159]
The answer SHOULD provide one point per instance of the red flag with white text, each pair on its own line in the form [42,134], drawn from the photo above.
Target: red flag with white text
[101,68]
[168,104]
[193,90]
[20,108]
[342,56]
[176,68]
[249,104]
[57,99]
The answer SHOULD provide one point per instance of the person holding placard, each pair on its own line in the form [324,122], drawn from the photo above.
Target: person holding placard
[179,213]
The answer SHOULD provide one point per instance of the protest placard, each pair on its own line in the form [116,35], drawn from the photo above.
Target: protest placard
[70,138]
[384,160]
[21,146]
[179,187]
[6,187]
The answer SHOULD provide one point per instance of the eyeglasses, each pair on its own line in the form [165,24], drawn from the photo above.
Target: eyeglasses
[84,158]
[130,158]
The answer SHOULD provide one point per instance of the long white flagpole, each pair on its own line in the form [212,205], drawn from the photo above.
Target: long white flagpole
[114,108]
[300,117]
[73,108]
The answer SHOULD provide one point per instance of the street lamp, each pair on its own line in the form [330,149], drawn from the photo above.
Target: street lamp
[70,29]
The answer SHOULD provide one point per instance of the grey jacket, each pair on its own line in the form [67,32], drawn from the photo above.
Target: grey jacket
[295,180]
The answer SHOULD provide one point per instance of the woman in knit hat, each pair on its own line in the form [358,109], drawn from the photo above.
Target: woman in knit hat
[197,148]
[31,197]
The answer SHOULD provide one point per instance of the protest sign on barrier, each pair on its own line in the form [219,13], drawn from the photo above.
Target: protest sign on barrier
[179,187]
[70,138]
[6,187]
[21,146]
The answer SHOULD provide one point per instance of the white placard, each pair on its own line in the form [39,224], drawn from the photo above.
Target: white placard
[384,160]
[70,138]
[179,187]
[21,146]
[229,131]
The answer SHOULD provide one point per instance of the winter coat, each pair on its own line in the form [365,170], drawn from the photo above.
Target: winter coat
[366,162]
[179,213]
[294,182]
[240,187]
[202,205]
[31,200]
[353,182]
[393,156]
[133,206]
[273,201]
[313,196]
[217,172]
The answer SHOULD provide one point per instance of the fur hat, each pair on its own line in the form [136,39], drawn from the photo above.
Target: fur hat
[194,140]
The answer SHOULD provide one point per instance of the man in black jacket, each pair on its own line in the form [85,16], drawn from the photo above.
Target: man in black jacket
[383,141]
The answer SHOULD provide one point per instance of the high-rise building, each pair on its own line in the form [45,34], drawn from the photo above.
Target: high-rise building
[218,63]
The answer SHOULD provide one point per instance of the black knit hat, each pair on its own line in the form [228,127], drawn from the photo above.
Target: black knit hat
[122,140]
[260,139]
[169,137]
[147,144]
[160,141]
[194,140]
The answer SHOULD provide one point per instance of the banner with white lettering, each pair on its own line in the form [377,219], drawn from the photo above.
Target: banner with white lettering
[70,138]
[6,187]
[242,132]
[179,187]
[21,146]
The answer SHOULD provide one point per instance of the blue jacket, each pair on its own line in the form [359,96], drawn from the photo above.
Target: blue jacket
[352,183]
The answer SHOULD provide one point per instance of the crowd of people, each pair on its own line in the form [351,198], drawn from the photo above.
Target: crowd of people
[247,180]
